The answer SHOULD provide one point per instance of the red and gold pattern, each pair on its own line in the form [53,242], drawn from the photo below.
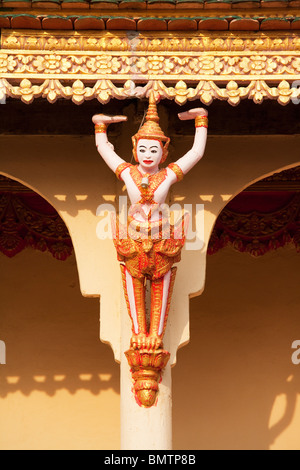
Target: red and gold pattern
[177,170]
[146,370]
[27,220]
[156,307]
[139,295]
[201,121]
[121,168]
[154,182]
[100,129]
[147,256]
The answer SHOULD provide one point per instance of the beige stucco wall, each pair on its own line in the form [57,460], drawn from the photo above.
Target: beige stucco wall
[234,386]
[60,386]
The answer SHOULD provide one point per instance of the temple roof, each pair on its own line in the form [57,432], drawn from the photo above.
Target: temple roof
[79,21]
[150,4]
[151,15]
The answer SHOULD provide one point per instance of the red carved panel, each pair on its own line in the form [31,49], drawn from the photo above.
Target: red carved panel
[258,222]
[27,220]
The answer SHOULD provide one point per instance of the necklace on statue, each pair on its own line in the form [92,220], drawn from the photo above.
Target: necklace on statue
[145,182]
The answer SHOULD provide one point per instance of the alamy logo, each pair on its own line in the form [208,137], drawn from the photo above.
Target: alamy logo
[186,220]
[296,86]
[2,352]
[2,92]
[296,354]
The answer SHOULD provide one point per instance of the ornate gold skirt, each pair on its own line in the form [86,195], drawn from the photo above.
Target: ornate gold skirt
[149,249]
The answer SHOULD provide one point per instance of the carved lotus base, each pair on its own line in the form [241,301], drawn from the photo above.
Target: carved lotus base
[146,370]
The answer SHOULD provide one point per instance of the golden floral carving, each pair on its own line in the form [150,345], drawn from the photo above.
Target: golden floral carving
[103,64]
[296,63]
[285,92]
[105,41]
[258,65]
[108,65]
[52,90]
[233,93]
[26,91]
[105,90]
[156,64]
[7,63]
[164,66]
[182,93]
[51,64]
[210,65]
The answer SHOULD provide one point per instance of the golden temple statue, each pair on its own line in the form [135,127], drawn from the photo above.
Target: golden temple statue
[148,245]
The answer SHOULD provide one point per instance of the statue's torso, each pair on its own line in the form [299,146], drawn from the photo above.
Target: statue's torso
[145,202]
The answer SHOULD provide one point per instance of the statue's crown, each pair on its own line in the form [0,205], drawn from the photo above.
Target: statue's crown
[151,128]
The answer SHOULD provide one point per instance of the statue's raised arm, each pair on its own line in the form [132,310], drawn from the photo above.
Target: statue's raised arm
[192,157]
[104,147]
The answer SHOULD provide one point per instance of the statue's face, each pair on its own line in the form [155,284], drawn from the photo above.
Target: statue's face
[149,153]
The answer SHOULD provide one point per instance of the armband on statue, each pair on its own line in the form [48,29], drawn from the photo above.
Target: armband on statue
[101,128]
[201,121]
[177,170]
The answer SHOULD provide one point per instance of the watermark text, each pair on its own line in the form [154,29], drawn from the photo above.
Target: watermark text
[296,85]
[2,352]
[159,222]
[296,354]
[2,93]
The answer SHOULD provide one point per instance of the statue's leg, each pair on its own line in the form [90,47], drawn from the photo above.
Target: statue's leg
[161,293]
[134,290]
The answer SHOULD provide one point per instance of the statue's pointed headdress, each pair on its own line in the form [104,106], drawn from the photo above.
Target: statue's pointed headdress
[151,129]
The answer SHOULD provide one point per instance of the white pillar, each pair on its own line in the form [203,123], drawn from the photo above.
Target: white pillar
[143,428]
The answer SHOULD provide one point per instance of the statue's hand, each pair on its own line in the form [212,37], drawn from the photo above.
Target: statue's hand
[105,119]
[192,114]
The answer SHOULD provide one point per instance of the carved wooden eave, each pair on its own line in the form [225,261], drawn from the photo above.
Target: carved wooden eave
[197,64]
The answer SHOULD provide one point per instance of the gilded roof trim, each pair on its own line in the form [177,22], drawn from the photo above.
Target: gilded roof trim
[183,66]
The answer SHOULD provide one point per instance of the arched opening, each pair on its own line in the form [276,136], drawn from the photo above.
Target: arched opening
[60,383]
[237,370]
[263,217]
[28,220]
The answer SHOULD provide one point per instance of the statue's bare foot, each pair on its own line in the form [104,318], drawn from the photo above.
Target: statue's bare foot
[139,341]
[154,342]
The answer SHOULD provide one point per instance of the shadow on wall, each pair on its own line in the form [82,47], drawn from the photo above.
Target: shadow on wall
[235,386]
[51,332]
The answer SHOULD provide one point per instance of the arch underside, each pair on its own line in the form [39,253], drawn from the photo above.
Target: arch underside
[262,218]
[27,220]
